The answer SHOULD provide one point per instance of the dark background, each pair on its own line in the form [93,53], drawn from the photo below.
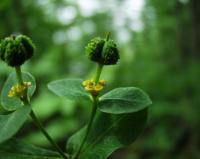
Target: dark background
[159,43]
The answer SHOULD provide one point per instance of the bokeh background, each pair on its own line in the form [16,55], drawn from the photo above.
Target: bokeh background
[159,43]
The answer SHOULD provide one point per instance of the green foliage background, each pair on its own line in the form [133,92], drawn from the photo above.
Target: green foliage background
[162,58]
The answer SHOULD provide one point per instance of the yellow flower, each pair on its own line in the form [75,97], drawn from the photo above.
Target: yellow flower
[102,82]
[19,90]
[93,88]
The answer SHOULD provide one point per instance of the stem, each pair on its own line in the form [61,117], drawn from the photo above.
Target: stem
[98,73]
[34,117]
[107,36]
[40,126]
[19,74]
[94,109]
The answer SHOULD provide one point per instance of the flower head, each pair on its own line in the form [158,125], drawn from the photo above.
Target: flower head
[102,51]
[92,87]
[19,90]
[15,50]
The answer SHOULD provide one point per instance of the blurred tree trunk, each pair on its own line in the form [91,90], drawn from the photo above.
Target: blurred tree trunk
[188,29]
[184,31]
[21,16]
[195,15]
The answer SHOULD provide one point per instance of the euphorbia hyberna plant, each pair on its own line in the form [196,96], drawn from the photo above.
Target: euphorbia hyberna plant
[117,117]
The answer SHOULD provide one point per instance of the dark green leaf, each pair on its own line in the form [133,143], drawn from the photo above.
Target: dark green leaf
[124,100]
[70,88]
[15,149]
[15,103]
[109,133]
[11,123]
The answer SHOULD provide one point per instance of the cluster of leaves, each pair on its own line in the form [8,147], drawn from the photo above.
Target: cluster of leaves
[121,117]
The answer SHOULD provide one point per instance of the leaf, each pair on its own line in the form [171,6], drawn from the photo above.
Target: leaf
[16,149]
[11,123]
[70,88]
[14,103]
[124,100]
[109,133]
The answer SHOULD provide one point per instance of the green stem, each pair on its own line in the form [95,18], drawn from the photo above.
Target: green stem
[107,36]
[40,126]
[94,110]
[19,74]
[98,73]
[34,117]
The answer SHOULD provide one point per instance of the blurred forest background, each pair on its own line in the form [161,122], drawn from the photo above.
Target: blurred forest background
[159,43]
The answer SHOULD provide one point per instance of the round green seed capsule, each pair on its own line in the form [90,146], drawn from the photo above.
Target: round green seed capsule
[103,51]
[16,50]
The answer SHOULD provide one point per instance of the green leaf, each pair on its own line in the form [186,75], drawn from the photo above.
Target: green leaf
[124,100]
[70,88]
[14,103]
[16,149]
[11,123]
[109,133]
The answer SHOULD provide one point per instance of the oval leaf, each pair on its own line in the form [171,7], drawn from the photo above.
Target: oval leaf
[11,123]
[109,133]
[70,88]
[15,149]
[14,103]
[124,100]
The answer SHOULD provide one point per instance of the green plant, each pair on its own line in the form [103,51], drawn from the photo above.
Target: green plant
[117,117]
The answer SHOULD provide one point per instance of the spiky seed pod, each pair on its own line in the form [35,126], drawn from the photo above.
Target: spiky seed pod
[102,51]
[16,50]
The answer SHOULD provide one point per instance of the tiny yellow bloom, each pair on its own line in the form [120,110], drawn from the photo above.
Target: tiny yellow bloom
[102,82]
[98,88]
[19,90]
[93,88]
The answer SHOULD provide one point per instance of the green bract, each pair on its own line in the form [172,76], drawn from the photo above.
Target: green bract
[102,51]
[14,103]
[16,50]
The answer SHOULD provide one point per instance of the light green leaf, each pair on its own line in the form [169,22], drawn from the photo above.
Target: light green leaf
[11,123]
[15,149]
[69,88]
[124,100]
[14,103]
[109,133]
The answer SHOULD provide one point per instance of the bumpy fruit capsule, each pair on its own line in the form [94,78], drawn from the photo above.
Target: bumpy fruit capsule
[15,50]
[102,51]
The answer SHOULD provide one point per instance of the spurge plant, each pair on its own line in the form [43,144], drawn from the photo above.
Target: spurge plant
[117,117]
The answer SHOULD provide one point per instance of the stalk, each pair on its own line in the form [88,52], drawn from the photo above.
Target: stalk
[35,119]
[94,109]
[40,126]
[19,74]
[98,73]
[93,113]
